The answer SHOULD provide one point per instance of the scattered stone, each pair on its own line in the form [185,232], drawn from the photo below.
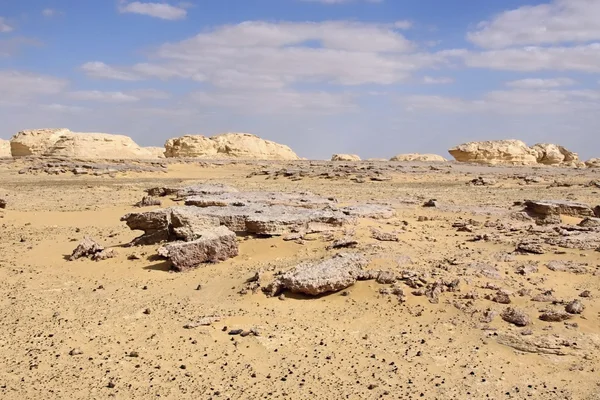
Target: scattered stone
[386,277]
[567,266]
[345,242]
[586,294]
[375,211]
[88,247]
[515,316]
[501,297]
[204,321]
[575,307]
[330,275]
[531,247]
[148,201]
[481,181]
[555,316]
[431,203]
[384,236]
[558,207]
[75,352]
[214,245]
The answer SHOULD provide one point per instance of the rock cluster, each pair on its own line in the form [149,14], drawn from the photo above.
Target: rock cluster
[345,157]
[228,145]
[514,152]
[54,166]
[64,143]
[89,248]
[418,157]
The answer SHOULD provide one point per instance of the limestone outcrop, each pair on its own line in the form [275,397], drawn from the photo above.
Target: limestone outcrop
[155,152]
[64,143]
[418,157]
[5,148]
[552,154]
[345,157]
[593,163]
[515,152]
[228,145]
[512,152]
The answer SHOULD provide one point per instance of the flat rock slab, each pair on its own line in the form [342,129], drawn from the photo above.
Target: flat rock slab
[326,276]
[376,211]
[307,200]
[558,207]
[213,245]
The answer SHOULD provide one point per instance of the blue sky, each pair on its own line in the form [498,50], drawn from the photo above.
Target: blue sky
[372,77]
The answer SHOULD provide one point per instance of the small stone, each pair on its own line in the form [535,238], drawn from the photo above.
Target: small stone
[555,316]
[134,354]
[236,332]
[585,293]
[516,317]
[75,352]
[575,307]
[147,311]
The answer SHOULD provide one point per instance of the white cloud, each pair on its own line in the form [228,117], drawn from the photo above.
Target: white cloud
[157,10]
[18,87]
[62,108]
[518,102]
[97,69]
[536,83]
[11,46]
[4,26]
[281,54]
[50,12]
[108,97]
[276,102]
[584,58]
[430,80]
[559,21]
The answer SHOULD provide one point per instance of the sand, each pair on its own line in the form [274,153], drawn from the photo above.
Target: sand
[115,328]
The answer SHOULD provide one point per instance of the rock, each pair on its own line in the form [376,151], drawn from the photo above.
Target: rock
[88,247]
[214,245]
[552,154]
[531,247]
[148,201]
[345,242]
[5,148]
[2,204]
[431,203]
[104,255]
[375,211]
[512,152]
[418,157]
[228,145]
[481,181]
[575,307]
[330,275]
[526,269]
[586,294]
[593,163]
[555,316]
[501,297]
[239,199]
[386,277]
[567,266]
[539,345]
[516,317]
[345,157]
[590,222]
[384,236]
[557,207]
[188,225]
[64,143]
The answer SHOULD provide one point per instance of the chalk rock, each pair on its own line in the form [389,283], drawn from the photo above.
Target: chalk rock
[552,154]
[418,157]
[558,207]
[212,245]
[512,152]
[5,148]
[64,143]
[228,145]
[593,163]
[345,157]
[330,275]
[155,152]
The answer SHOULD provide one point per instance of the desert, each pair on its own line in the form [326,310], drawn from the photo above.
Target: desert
[241,277]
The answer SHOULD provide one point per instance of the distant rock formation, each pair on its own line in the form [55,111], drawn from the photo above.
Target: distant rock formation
[593,163]
[64,143]
[345,157]
[157,152]
[515,152]
[418,157]
[552,154]
[4,148]
[228,145]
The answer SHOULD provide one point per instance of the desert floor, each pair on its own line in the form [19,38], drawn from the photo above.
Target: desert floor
[125,318]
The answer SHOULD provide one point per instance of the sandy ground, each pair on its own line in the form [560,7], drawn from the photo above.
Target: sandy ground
[126,317]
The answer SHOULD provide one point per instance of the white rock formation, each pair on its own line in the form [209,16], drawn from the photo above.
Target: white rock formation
[5,148]
[593,163]
[228,145]
[552,154]
[156,152]
[512,152]
[418,157]
[345,157]
[64,143]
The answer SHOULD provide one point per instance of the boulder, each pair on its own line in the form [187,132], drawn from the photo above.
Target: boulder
[418,157]
[228,145]
[552,154]
[512,152]
[5,148]
[330,275]
[345,157]
[64,143]
[558,207]
[212,245]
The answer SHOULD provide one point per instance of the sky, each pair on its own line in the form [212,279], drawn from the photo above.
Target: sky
[369,77]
